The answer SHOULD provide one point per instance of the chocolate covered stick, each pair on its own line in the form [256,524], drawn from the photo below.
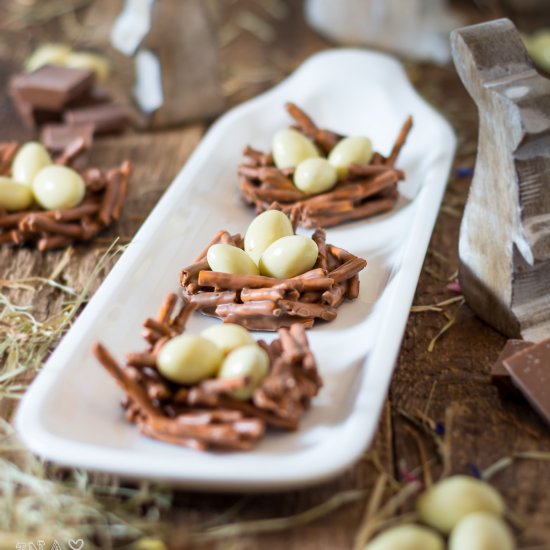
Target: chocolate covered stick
[401,139]
[319,236]
[348,270]
[141,359]
[181,318]
[212,299]
[76,213]
[303,309]
[255,294]
[259,158]
[335,296]
[369,208]
[267,323]
[109,199]
[7,154]
[291,348]
[195,444]
[324,138]
[166,309]
[217,238]
[123,173]
[53,242]
[361,170]
[264,308]
[134,390]
[38,223]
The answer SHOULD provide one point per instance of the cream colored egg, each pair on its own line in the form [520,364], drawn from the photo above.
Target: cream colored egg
[349,150]
[188,359]
[481,531]
[228,336]
[230,259]
[290,147]
[92,61]
[264,230]
[58,187]
[444,504]
[28,161]
[407,537]
[289,256]
[14,196]
[250,361]
[47,54]
[315,176]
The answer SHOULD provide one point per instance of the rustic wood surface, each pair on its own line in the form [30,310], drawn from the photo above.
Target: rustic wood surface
[450,384]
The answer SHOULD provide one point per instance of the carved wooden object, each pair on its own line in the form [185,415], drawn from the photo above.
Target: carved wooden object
[505,234]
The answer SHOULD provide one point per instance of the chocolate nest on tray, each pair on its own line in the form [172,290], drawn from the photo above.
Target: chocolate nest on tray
[204,415]
[265,303]
[368,189]
[49,229]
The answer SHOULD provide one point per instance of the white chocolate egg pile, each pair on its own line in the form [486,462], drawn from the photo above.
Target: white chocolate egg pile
[270,248]
[224,351]
[314,173]
[62,55]
[467,510]
[35,178]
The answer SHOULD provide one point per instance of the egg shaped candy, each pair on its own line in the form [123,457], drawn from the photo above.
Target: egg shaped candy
[291,147]
[315,176]
[264,230]
[28,161]
[348,151]
[289,256]
[14,196]
[188,359]
[58,187]
[230,259]
[228,336]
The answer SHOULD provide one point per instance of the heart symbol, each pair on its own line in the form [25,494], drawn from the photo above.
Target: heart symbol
[75,544]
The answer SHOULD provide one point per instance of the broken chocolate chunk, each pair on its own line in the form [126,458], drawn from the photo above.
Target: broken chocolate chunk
[530,372]
[499,374]
[51,87]
[56,137]
[107,118]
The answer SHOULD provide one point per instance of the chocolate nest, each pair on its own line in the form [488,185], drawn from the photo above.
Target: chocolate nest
[49,229]
[205,416]
[368,189]
[266,303]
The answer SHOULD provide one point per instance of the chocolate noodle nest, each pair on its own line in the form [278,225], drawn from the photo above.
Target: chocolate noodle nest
[49,229]
[204,415]
[368,189]
[266,303]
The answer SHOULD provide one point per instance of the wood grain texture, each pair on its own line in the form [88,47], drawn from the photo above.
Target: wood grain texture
[454,376]
[505,234]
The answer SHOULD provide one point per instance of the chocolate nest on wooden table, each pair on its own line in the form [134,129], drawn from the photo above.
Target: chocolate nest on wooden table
[105,192]
[257,302]
[366,190]
[205,415]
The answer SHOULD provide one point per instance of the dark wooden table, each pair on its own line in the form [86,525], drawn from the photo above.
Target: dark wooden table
[449,384]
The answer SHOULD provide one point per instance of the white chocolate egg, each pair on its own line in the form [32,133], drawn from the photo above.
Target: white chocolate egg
[230,259]
[87,60]
[289,256]
[444,504]
[188,359]
[407,537]
[315,176]
[291,147]
[47,54]
[28,161]
[481,531]
[250,361]
[349,150]
[58,187]
[228,336]
[264,230]
[14,196]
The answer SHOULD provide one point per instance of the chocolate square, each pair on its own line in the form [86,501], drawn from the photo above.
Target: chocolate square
[52,87]
[499,374]
[56,137]
[530,372]
[107,118]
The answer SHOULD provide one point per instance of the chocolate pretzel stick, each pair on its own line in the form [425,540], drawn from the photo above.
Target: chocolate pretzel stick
[7,154]
[134,391]
[217,238]
[401,139]
[109,198]
[212,299]
[291,348]
[309,363]
[166,309]
[304,309]
[142,359]
[259,158]
[264,307]
[38,223]
[267,323]
[12,220]
[319,237]
[53,242]
[94,179]
[335,296]
[348,270]
[180,320]
[191,272]
[149,431]
[71,151]
[161,328]
[361,170]
[340,254]
[324,138]
[352,291]
[256,294]
[76,213]
[123,174]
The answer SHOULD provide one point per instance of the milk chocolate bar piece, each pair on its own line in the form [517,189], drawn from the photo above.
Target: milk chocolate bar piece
[56,137]
[499,374]
[530,372]
[107,118]
[29,115]
[52,87]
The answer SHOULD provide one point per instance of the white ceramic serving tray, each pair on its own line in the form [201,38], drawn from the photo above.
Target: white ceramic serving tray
[71,414]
